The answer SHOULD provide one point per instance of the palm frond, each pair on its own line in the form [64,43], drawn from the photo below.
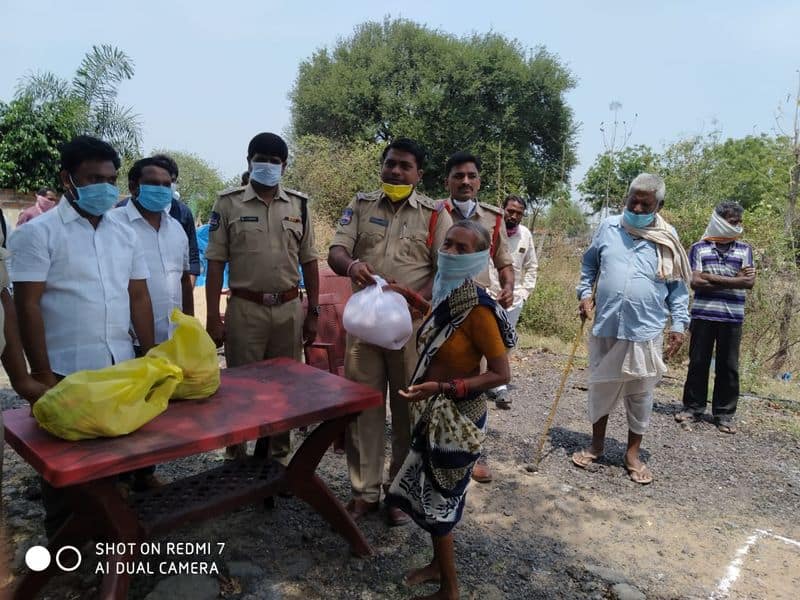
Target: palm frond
[43,86]
[118,125]
[100,72]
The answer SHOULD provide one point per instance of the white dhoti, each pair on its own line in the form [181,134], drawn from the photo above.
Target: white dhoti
[627,369]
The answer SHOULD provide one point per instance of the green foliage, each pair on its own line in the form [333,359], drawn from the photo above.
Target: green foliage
[95,86]
[566,217]
[544,312]
[484,93]
[331,172]
[30,137]
[198,182]
[613,172]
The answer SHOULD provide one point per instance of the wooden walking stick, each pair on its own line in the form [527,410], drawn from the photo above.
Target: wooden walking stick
[532,468]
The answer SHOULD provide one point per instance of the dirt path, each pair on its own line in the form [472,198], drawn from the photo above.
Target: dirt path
[559,533]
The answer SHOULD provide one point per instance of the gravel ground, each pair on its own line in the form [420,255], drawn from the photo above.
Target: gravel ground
[558,533]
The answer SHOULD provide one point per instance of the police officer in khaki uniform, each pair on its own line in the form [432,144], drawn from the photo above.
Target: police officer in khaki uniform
[264,231]
[463,182]
[393,232]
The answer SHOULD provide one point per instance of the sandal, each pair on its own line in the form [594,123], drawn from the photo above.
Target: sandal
[726,426]
[687,416]
[641,475]
[583,458]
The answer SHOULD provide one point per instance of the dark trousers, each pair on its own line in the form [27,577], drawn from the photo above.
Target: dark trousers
[726,337]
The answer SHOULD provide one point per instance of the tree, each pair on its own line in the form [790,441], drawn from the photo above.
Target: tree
[95,85]
[30,138]
[566,217]
[612,173]
[483,93]
[332,172]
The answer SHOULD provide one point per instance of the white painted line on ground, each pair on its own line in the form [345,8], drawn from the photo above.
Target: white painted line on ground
[785,540]
[735,567]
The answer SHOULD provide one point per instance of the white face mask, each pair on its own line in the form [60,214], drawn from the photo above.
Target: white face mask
[465,207]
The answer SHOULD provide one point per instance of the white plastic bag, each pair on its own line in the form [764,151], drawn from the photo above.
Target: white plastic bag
[378,317]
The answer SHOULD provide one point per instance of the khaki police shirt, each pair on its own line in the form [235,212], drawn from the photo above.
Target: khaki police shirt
[263,244]
[392,239]
[486,215]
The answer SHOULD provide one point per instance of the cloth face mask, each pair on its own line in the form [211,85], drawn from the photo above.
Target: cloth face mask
[453,269]
[638,221]
[268,174]
[155,198]
[96,198]
[396,193]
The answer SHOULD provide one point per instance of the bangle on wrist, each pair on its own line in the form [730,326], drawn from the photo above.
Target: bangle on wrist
[350,266]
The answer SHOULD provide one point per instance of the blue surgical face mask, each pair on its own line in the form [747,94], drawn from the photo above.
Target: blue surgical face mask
[638,221]
[268,174]
[96,198]
[453,269]
[155,198]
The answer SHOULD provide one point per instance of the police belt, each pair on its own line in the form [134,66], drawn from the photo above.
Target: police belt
[266,299]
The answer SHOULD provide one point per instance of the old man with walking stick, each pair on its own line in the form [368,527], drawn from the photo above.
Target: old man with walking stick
[641,273]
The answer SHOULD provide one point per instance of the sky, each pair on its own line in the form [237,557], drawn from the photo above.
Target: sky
[210,74]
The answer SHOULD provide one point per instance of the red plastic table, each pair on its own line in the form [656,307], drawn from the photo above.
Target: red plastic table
[256,400]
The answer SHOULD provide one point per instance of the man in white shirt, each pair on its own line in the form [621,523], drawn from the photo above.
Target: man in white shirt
[523,256]
[162,239]
[80,281]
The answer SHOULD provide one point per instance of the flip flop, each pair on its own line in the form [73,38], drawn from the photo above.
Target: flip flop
[726,427]
[583,458]
[687,416]
[641,475]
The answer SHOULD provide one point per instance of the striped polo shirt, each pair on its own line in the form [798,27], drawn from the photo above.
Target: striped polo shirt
[725,305]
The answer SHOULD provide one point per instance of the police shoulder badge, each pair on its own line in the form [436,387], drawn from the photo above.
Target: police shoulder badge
[347,216]
[213,221]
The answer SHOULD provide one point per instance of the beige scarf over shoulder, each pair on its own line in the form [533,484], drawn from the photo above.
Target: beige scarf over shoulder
[673,263]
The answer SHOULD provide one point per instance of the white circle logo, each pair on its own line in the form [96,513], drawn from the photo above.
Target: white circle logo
[77,562]
[37,558]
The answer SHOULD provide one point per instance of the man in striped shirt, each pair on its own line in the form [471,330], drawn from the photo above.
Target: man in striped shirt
[722,271]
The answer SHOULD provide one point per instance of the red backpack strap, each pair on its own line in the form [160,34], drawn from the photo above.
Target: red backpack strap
[495,236]
[440,204]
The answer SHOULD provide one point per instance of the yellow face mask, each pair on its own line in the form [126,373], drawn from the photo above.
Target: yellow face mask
[397,193]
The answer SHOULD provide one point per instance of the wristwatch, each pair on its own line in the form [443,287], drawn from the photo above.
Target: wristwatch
[313,310]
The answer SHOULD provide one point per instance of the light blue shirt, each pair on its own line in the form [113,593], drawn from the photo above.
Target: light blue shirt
[631,303]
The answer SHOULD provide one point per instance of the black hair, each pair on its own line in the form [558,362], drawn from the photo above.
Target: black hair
[459,158]
[245,177]
[172,166]
[84,147]
[729,207]
[268,144]
[159,160]
[406,145]
[513,198]
[42,191]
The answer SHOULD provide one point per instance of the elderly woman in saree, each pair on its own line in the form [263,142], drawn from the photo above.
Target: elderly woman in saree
[448,396]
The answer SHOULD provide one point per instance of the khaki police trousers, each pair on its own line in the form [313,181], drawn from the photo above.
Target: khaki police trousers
[254,332]
[366,440]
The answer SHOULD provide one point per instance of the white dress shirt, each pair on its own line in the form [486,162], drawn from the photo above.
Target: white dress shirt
[85,304]
[166,253]
[523,256]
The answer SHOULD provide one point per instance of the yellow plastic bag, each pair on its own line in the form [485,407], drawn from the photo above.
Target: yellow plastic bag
[191,348]
[108,402]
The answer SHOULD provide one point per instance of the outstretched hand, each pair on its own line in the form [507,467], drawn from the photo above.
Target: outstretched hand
[420,391]
[418,306]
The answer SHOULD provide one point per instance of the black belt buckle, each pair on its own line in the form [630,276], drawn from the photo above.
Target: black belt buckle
[270,299]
